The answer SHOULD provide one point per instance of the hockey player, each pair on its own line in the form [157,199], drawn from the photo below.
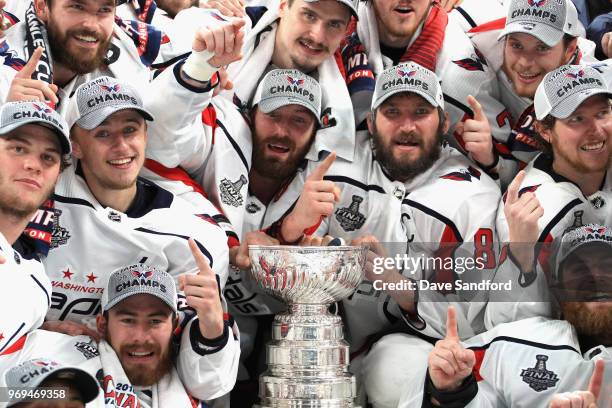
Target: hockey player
[524,363]
[426,200]
[535,38]
[390,32]
[567,186]
[33,144]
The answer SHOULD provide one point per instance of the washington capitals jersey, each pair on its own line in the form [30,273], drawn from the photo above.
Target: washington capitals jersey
[89,241]
[524,363]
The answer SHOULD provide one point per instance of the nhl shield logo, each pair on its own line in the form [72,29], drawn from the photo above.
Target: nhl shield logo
[230,191]
[350,218]
[60,235]
[539,378]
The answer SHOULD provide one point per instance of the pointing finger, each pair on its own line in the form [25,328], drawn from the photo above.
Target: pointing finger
[451,324]
[29,68]
[513,188]
[199,258]
[322,168]
[596,379]
[477,108]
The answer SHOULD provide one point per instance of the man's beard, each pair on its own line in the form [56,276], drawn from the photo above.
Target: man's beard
[586,321]
[403,170]
[143,375]
[17,208]
[78,63]
[275,169]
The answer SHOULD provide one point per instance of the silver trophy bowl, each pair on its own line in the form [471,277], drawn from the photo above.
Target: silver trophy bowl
[308,275]
[307,357]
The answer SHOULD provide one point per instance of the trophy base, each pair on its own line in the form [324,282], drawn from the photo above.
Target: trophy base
[297,403]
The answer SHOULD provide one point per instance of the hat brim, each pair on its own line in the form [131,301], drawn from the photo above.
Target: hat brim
[94,119]
[85,382]
[347,3]
[126,295]
[425,95]
[63,137]
[543,32]
[273,103]
[564,109]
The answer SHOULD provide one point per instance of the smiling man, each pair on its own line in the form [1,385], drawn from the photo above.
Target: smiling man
[33,144]
[565,187]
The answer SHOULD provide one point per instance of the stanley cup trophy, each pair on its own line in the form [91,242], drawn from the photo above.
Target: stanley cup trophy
[307,357]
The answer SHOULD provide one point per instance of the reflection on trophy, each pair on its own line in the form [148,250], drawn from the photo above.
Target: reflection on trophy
[307,357]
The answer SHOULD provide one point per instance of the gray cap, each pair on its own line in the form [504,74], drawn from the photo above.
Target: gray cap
[408,77]
[578,237]
[139,279]
[97,99]
[17,114]
[281,87]
[30,374]
[348,3]
[565,88]
[547,20]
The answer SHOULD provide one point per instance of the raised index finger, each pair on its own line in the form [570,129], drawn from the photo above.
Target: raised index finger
[199,258]
[322,168]
[477,108]
[513,188]
[596,379]
[451,324]
[29,68]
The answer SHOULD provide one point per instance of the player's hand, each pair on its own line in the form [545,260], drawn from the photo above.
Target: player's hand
[606,44]
[24,88]
[449,362]
[449,5]
[316,201]
[239,256]
[476,134]
[224,41]
[202,294]
[70,328]
[2,259]
[375,250]
[582,399]
[522,215]
[230,8]
[224,82]
[313,240]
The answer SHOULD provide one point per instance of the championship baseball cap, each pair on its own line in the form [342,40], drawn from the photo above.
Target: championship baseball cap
[585,235]
[547,20]
[96,100]
[32,373]
[17,114]
[408,77]
[565,88]
[348,3]
[139,279]
[281,87]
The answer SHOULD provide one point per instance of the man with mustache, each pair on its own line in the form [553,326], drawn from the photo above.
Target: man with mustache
[409,189]
[566,186]
[536,361]
[390,32]
[34,143]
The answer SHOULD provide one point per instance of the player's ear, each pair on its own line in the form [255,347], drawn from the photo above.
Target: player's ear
[570,50]
[77,152]
[370,121]
[283,6]
[543,131]
[42,10]
[446,123]
[101,324]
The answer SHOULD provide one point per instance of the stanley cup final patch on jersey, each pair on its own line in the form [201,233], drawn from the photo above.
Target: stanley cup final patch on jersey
[350,218]
[230,191]
[538,377]
[60,234]
[88,349]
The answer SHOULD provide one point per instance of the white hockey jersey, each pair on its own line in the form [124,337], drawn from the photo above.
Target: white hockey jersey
[565,207]
[90,241]
[524,363]
[438,213]
[25,295]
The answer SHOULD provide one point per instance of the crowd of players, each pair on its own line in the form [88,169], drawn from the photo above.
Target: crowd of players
[144,146]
